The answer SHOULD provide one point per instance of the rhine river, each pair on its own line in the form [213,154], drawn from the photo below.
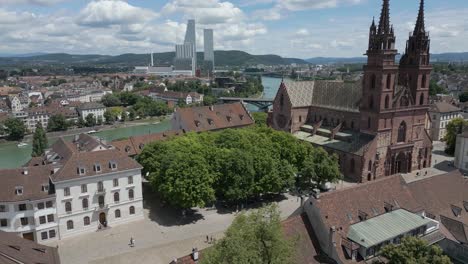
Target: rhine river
[13,157]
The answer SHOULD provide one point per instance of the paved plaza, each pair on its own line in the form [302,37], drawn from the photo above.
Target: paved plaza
[163,235]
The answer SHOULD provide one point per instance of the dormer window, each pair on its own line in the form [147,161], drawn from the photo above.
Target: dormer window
[112,165]
[19,190]
[197,123]
[45,188]
[210,121]
[81,170]
[241,117]
[97,167]
[465,204]
[456,210]
[141,146]
[229,118]
[127,149]
[362,215]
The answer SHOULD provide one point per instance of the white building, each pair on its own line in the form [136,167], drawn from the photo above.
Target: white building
[27,204]
[15,104]
[76,187]
[96,187]
[461,151]
[441,114]
[96,109]
[36,115]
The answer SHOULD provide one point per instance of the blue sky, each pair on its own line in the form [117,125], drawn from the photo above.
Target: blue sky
[293,28]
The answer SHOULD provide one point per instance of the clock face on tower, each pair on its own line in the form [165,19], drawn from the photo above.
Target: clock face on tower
[281,121]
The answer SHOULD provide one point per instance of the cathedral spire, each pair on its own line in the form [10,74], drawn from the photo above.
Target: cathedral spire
[384,24]
[420,28]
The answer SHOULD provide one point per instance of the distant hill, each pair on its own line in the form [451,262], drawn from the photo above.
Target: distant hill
[222,58]
[443,57]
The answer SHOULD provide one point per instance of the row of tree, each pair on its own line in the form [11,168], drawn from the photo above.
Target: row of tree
[234,165]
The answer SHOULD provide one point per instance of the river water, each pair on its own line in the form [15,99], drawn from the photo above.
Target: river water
[13,157]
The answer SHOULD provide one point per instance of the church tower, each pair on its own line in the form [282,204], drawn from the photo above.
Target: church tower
[414,65]
[380,74]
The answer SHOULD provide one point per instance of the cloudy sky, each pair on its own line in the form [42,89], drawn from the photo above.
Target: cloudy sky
[293,28]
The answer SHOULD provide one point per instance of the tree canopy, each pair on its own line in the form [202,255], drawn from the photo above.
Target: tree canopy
[232,165]
[253,238]
[90,120]
[39,141]
[413,250]
[454,128]
[463,97]
[57,123]
[260,118]
[15,128]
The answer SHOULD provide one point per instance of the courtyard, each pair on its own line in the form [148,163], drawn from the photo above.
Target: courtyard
[163,235]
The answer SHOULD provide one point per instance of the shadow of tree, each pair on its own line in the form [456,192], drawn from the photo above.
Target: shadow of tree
[165,214]
[254,203]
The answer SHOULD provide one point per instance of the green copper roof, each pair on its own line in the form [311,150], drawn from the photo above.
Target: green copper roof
[384,227]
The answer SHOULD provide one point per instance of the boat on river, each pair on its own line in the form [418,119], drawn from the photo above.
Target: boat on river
[22,145]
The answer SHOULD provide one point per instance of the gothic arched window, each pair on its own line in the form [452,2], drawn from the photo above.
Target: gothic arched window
[404,101]
[351,166]
[369,122]
[370,165]
[421,99]
[373,81]
[371,102]
[387,101]
[282,101]
[402,132]
[424,81]
[389,81]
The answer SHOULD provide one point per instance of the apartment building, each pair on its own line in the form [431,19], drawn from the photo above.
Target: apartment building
[27,203]
[442,114]
[96,186]
[76,187]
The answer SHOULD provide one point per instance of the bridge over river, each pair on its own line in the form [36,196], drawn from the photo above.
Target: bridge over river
[261,103]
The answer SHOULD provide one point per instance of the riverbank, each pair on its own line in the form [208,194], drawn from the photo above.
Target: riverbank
[11,156]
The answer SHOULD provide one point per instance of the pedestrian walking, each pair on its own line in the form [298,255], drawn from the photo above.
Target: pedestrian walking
[207,239]
[211,239]
[132,242]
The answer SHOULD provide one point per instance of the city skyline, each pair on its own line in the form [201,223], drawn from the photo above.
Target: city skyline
[300,29]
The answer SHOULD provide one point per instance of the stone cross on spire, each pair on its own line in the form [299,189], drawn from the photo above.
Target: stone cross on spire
[384,24]
[420,28]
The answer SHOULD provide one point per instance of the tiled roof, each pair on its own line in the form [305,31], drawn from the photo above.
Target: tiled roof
[443,107]
[215,117]
[307,248]
[447,192]
[71,158]
[340,209]
[329,94]
[14,249]
[31,183]
[92,105]
[134,145]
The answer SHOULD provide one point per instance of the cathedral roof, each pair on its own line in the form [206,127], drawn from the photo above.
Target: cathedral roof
[337,95]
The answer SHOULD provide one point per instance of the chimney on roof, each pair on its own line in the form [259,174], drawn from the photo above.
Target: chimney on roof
[332,241]
[211,108]
[76,138]
[195,254]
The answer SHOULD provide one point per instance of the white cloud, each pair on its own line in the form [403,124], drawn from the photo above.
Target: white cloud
[303,32]
[31,2]
[108,12]
[206,12]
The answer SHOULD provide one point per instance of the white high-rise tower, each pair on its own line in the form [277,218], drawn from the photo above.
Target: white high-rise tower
[209,48]
[191,38]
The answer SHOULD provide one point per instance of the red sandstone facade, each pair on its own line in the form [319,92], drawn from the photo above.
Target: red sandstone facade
[383,127]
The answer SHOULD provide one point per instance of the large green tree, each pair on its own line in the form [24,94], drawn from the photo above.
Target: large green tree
[319,168]
[413,250]
[90,120]
[15,128]
[236,164]
[110,100]
[260,118]
[57,123]
[252,238]
[454,128]
[39,144]
[463,97]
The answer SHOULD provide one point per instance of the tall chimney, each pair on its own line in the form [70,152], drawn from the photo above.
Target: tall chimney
[152,60]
